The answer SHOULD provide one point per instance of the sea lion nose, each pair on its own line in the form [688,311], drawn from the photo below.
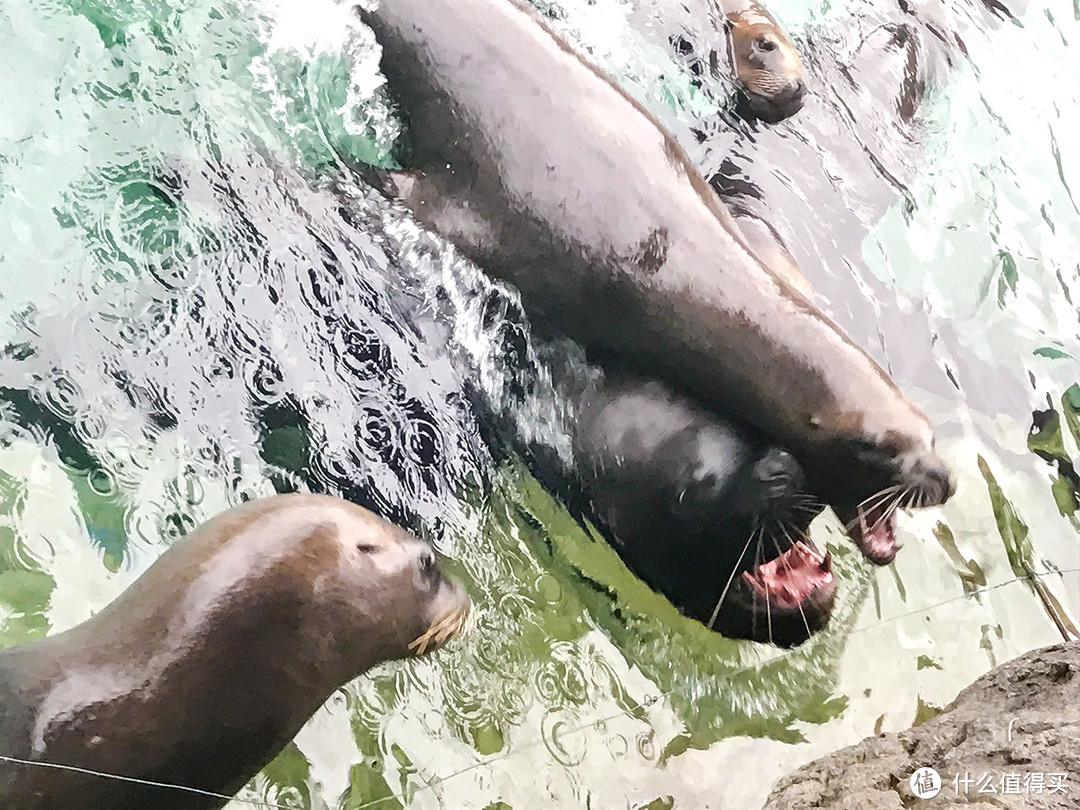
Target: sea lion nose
[777,466]
[793,94]
[941,481]
[788,100]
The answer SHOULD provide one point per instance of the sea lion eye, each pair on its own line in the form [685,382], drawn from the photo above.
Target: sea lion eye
[863,445]
[765,44]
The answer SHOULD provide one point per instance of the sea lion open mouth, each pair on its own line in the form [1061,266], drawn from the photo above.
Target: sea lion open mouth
[783,600]
[873,531]
[789,580]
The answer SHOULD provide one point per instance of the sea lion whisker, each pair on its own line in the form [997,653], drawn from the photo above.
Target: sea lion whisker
[910,496]
[768,612]
[802,612]
[727,585]
[886,514]
[441,629]
[889,490]
[420,643]
[879,497]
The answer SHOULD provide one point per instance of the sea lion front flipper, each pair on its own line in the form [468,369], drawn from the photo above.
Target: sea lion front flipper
[436,203]
[395,184]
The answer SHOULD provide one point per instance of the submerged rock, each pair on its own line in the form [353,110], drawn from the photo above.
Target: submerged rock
[1011,740]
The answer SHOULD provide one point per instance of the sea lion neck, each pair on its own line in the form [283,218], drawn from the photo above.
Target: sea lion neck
[232,656]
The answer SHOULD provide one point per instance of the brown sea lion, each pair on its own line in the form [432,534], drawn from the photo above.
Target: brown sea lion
[543,171]
[767,65]
[202,670]
[731,41]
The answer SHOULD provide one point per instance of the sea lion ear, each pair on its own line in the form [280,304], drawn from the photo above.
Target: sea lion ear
[365,14]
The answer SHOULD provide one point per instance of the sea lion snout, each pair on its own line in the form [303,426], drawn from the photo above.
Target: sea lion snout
[412,574]
[771,107]
[448,608]
[778,466]
[791,95]
[934,480]
[781,481]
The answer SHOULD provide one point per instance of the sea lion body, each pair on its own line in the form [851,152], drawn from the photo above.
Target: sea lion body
[202,670]
[541,170]
[692,502]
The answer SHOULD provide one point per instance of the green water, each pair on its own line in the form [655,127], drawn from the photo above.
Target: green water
[576,686]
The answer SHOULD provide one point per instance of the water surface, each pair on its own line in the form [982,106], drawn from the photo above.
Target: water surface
[191,317]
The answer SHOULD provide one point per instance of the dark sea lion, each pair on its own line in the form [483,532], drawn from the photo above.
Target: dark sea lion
[706,512]
[542,171]
[202,670]
[732,41]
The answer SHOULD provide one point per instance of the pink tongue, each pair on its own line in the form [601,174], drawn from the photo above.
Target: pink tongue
[787,580]
[880,543]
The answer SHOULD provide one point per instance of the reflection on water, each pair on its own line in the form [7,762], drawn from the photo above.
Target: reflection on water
[188,321]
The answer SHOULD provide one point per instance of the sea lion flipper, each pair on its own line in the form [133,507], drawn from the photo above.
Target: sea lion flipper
[395,184]
[769,248]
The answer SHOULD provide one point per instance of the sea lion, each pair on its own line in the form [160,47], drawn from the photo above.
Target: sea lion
[767,65]
[732,49]
[729,43]
[202,670]
[706,512]
[543,171]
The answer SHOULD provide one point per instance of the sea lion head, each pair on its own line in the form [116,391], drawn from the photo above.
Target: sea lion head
[356,589]
[876,464]
[384,596]
[773,585]
[709,514]
[767,66]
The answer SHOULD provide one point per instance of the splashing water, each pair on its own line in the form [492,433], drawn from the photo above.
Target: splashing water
[192,313]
